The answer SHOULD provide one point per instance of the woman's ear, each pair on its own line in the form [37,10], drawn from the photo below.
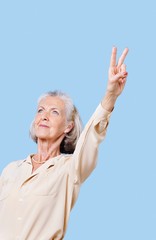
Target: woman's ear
[69,127]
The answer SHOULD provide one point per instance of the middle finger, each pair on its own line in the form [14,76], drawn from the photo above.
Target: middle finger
[122,57]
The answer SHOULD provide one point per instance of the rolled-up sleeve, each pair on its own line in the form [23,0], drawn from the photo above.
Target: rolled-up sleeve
[85,155]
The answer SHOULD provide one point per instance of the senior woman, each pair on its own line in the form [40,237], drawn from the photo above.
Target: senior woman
[38,193]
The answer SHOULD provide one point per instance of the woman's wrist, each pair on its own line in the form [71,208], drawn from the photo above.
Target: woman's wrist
[108,101]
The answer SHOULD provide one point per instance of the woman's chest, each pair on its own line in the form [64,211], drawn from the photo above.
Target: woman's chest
[48,182]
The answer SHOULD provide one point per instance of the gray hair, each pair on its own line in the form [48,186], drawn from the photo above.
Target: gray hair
[70,140]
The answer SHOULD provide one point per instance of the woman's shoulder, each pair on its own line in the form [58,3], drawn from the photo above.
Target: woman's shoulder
[11,167]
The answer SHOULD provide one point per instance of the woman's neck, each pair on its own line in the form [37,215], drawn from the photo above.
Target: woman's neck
[47,149]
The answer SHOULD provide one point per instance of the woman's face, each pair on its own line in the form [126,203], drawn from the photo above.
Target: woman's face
[50,120]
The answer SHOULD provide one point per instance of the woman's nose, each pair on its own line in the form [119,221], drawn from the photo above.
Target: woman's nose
[45,116]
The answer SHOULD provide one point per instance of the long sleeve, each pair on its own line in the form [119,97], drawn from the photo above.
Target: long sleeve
[0,184]
[85,155]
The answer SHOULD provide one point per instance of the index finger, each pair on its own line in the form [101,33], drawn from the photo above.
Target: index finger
[123,56]
[113,57]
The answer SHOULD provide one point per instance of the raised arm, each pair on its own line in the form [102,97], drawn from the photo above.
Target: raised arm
[117,77]
[85,155]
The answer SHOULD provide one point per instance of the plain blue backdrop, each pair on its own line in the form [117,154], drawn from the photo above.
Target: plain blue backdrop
[66,45]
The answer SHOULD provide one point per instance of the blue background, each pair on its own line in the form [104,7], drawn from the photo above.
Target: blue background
[66,45]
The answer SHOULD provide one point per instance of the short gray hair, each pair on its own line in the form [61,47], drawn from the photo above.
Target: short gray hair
[70,140]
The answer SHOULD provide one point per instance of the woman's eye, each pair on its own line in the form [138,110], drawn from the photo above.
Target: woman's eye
[55,112]
[40,110]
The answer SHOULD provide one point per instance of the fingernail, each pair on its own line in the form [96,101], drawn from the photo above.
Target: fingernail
[125,73]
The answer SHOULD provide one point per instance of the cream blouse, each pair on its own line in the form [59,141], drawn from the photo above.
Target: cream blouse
[36,206]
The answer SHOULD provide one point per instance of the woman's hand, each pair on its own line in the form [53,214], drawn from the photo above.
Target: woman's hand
[117,74]
[117,77]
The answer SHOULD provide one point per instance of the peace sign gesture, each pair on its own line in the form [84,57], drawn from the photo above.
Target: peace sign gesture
[117,76]
[117,73]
